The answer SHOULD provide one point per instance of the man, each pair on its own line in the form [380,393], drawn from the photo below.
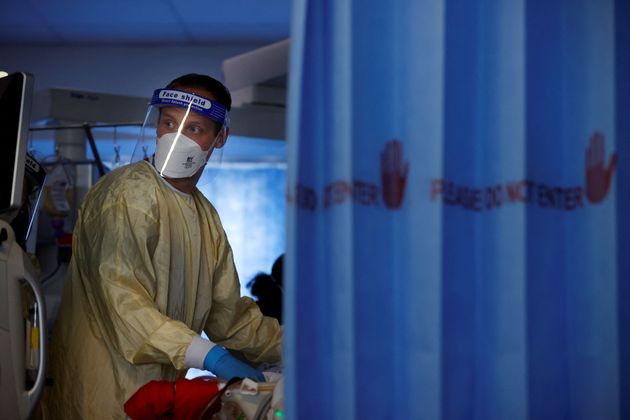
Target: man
[152,268]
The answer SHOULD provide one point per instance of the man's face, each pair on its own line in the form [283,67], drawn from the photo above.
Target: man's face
[197,127]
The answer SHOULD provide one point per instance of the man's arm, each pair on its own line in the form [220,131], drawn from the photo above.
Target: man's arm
[113,249]
[236,322]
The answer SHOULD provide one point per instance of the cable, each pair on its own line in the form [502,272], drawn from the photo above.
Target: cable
[48,277]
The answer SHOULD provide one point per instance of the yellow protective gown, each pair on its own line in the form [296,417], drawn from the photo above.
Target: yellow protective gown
[151,268]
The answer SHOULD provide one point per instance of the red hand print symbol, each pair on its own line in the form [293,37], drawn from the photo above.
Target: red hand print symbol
[598,177]
[393,174]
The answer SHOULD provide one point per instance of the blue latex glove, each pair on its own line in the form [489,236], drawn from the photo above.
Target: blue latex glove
[220,362]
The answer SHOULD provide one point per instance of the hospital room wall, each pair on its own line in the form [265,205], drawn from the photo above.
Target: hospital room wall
[134,70]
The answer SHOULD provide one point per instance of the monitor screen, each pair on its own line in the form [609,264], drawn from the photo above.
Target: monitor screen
[16,91]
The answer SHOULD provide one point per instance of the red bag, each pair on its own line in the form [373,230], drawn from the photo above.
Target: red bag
[184,399]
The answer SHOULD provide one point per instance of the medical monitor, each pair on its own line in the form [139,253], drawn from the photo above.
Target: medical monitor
[16,94]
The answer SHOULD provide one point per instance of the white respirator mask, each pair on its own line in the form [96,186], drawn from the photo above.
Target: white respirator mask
[178,156]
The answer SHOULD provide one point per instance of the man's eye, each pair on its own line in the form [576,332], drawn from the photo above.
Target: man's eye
[195,130]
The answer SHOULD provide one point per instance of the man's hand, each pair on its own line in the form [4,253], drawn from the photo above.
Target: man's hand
[220,362]
[598,178]
[393,174]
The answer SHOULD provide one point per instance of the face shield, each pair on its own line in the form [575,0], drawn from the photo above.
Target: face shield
[182,131]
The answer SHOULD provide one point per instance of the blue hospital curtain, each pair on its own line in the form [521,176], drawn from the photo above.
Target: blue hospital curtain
[458,220]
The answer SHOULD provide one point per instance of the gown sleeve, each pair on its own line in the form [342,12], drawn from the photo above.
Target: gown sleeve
[236,322]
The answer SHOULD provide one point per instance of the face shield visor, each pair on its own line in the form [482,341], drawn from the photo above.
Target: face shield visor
[182,132]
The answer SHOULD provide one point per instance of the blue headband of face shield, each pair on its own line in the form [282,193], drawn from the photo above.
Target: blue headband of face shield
[204,106]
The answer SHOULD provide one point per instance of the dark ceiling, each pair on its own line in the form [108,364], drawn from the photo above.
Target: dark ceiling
[142,22]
